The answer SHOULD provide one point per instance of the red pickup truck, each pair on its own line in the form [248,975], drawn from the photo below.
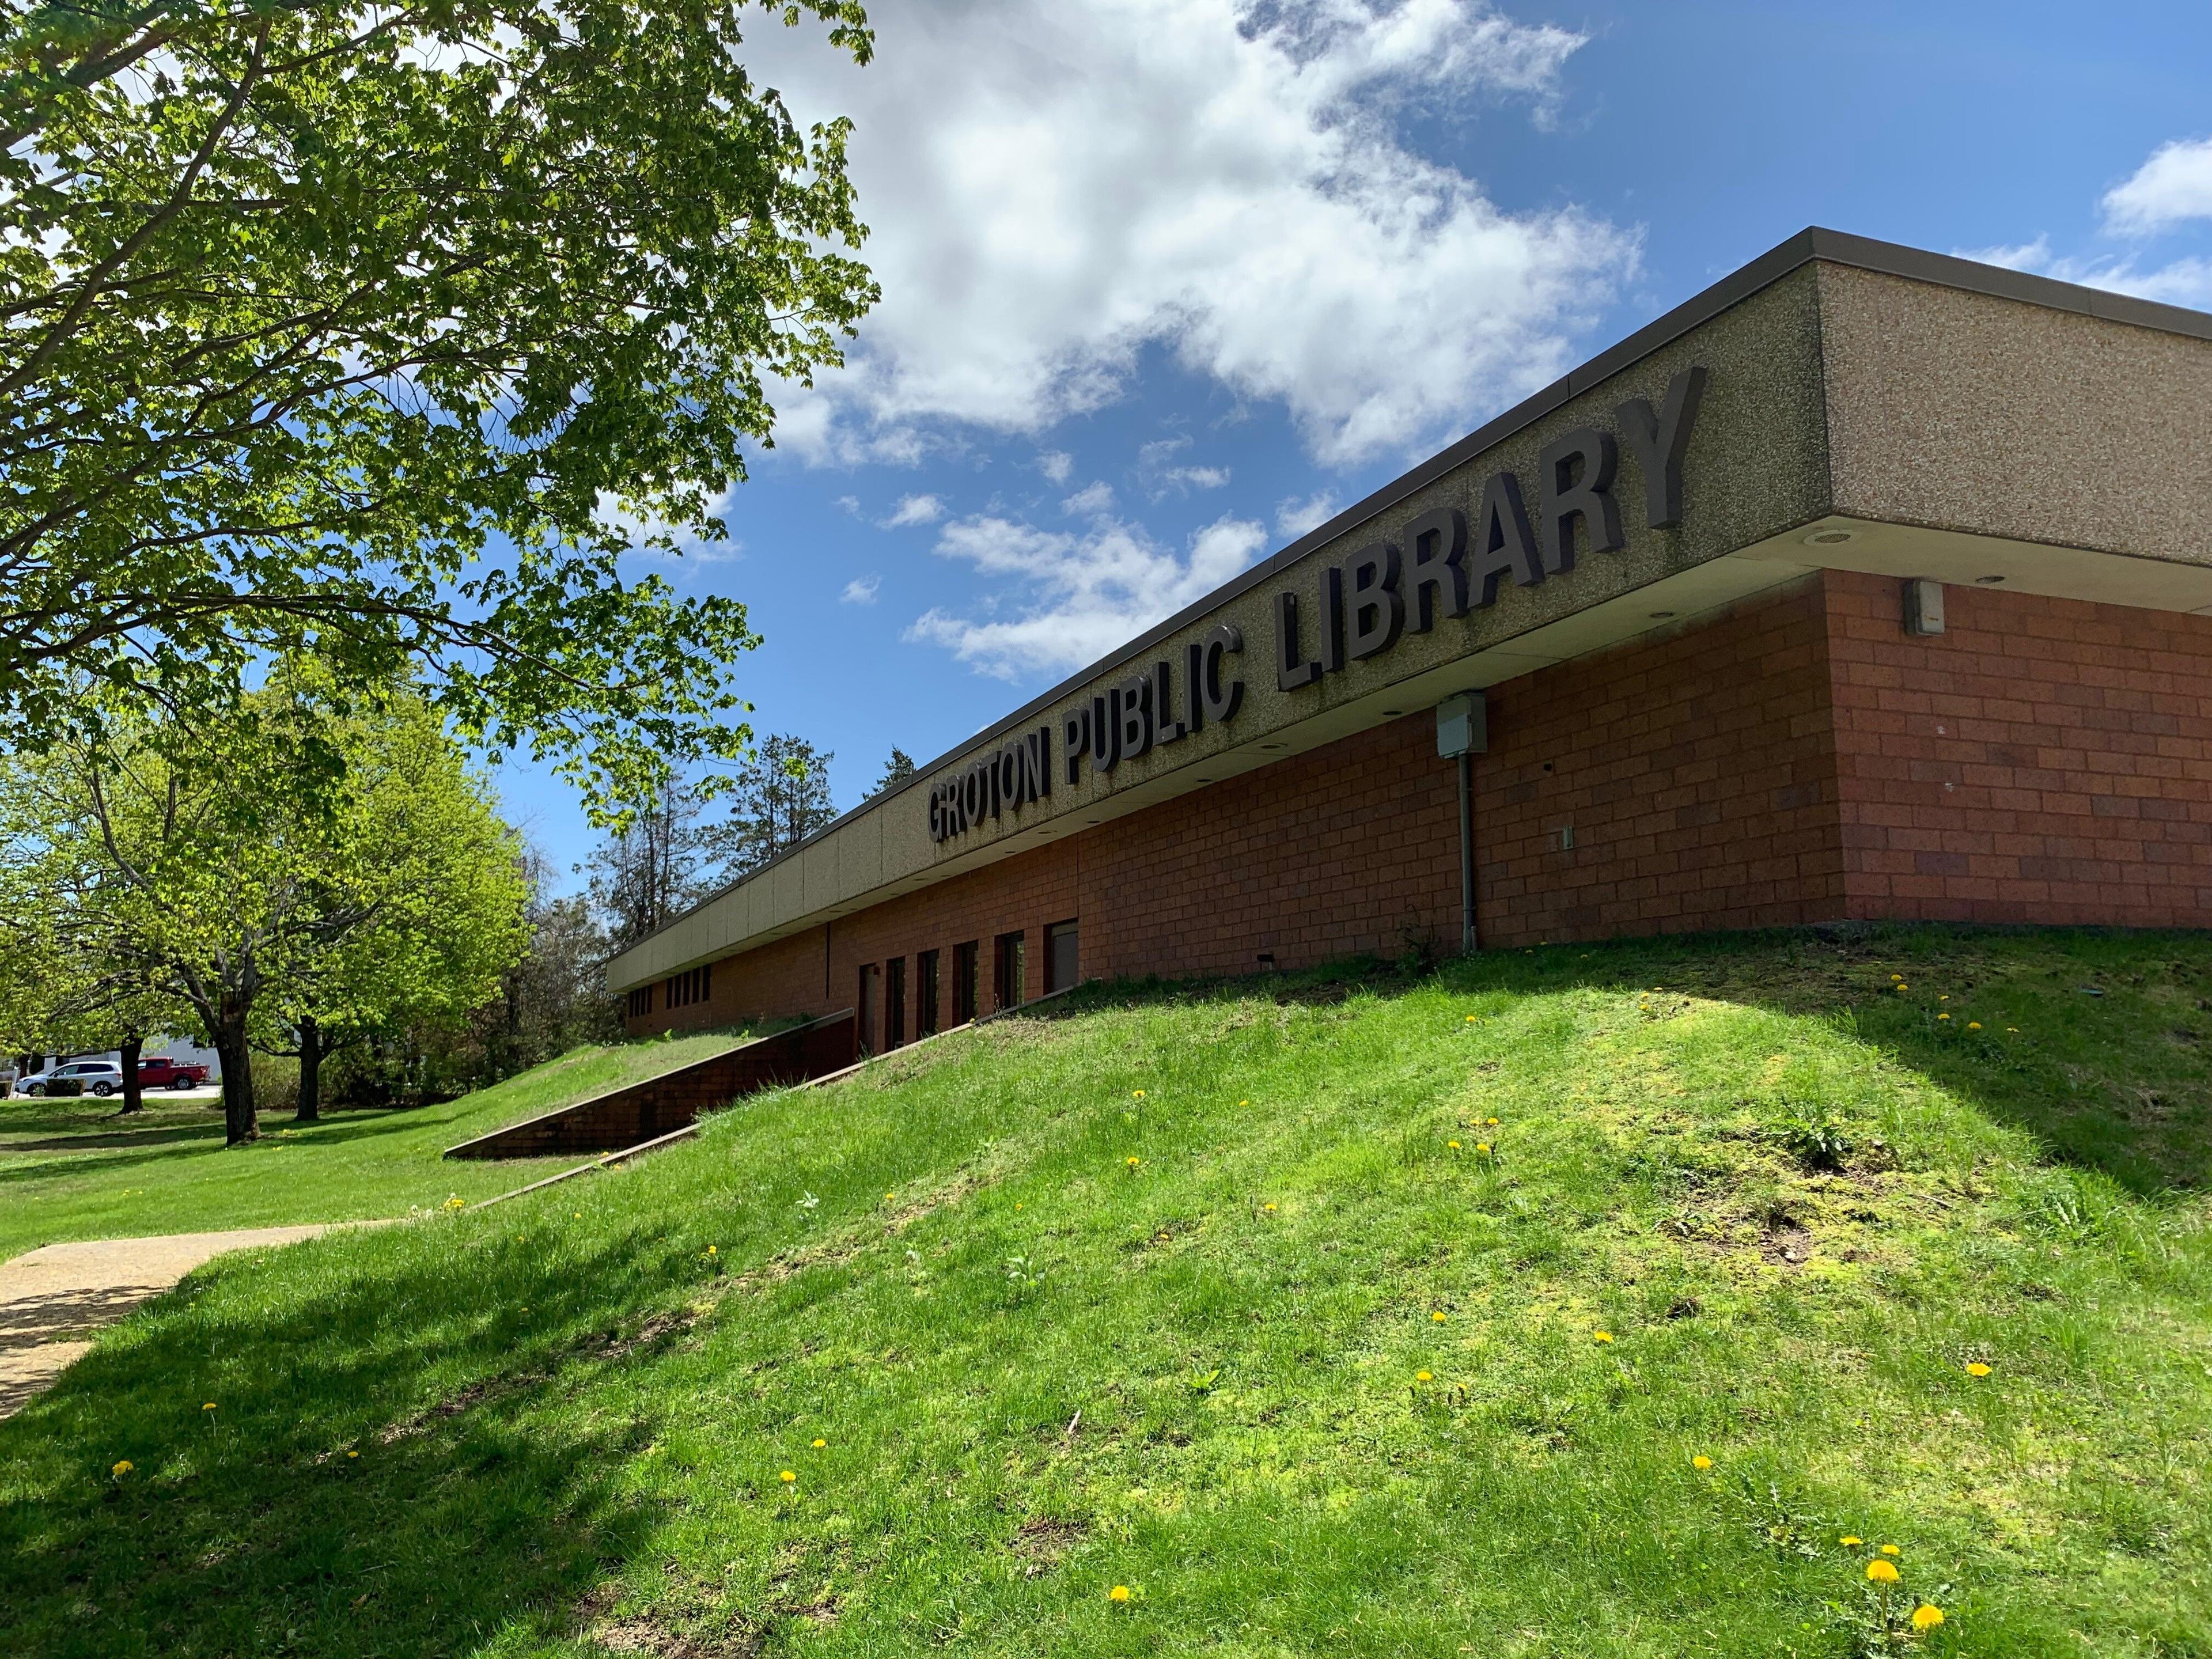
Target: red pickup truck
[159,1072]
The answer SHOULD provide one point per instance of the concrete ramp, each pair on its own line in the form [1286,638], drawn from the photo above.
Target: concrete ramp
[640,1112]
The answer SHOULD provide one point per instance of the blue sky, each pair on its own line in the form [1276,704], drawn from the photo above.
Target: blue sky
[1165,280]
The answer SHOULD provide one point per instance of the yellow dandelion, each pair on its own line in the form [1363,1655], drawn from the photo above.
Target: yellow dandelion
[1453,1145]
[1701,1462]
[1897,976]
[1119,1593]
[353,1454]
[209,1407]
[1847,1540]
[1243,1102]
[1942,1016]
[819,1444]
[887,1197]
[1267,1206]
[1489,1123]
[1880,1572]
[1438,1316]
[1134,1162]
[2015,1029]
[1889,1549]
[710,1249]
[1944,996]
[786,1477]
[1927,1616]
[1481,1145]
[1470,1019]
[123,1468]
[1136,1094]
[1973,1025]
[1978,1369]
[1423,1377]
[1902,986]
[1601,1336]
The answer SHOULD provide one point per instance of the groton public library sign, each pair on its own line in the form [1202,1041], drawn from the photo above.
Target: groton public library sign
[1871,583]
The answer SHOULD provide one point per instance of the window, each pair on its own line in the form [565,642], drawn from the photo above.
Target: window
[1061,957]
[925,994]
[640,1002]
[895,1002]
[1006,970]
[684,988]
[863,1007]
[966,982]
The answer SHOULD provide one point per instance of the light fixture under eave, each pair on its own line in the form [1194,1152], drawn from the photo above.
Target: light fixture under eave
[1828,538]
[1660,615]
[1987,581]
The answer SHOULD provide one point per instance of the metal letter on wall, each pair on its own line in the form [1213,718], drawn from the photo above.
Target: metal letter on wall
[1331,655]
[1502,544]
[1106,729]
[1291,668]
[1438,539]
[1575,477]
[1375,615]
[1136,716]
[1660,441]
[1221,701]
[1075,740]
[1166,728]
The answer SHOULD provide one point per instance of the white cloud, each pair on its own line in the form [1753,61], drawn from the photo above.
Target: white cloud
[1090,501]
[1084,594]
[861,590]
[1197,477]
[2174,185]
[851,504]
[1056,465]
[913,510]
[1055,186]
[1293,518]
[2186,282]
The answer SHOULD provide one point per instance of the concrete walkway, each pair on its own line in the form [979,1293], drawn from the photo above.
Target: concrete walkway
[54,1300]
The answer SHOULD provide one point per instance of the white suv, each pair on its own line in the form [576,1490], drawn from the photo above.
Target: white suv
[100,1077]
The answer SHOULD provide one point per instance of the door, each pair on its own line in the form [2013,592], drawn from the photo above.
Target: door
[864,1005]
[894,1003]
[1060,955]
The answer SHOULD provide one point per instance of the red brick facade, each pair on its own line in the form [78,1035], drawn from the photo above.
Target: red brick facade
[1797,759]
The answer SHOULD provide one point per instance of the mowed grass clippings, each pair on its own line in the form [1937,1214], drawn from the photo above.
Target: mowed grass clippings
[1190,1295]
[74,1169]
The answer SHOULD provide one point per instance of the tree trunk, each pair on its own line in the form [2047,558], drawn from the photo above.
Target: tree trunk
[134,1099]
[239,1122]
[311,1073]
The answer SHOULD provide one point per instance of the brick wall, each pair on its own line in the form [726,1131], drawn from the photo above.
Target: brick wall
[2040,760]
[1697,773]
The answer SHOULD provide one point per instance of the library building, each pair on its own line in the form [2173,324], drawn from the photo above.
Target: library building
[1871,584]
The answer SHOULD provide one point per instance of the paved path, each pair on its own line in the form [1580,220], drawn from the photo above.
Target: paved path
[54,1300]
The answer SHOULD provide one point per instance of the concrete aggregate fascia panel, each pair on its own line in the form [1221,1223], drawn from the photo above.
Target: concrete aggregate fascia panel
[1759,463]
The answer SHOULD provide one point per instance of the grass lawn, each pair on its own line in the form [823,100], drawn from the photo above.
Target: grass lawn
[75,1169]
[1238,1299]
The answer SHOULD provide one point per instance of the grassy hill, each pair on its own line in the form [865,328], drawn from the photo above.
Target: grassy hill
[1238,1299]
[74,1169]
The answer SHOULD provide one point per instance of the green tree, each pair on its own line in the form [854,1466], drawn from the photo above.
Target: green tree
[426,915]
[780,797]
[255,902]
[378,334]
[897,769]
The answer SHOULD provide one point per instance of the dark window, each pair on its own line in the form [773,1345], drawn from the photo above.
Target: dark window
[1006,970]
[966,982]
[640,1002]
[1060,957]
[895,1002]
[863,1007]
[925,994]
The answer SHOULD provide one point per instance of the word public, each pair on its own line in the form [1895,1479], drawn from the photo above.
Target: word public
[1367,602]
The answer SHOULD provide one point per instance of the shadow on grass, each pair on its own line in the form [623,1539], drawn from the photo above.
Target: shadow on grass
[502,1506]
[2099,1043]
